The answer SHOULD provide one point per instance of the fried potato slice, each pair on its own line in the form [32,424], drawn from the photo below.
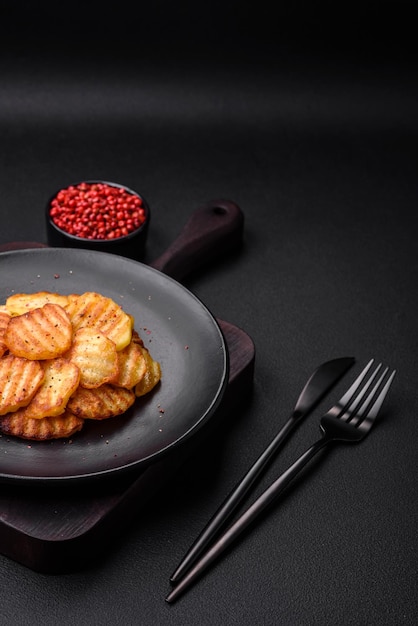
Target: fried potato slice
[95,356]
[19,381]
[151,377]
[42,333]
[132,366]
[60,382]
[136,338]
[101,403]
[4,321]
[93,310]
[57,427]
[20,303]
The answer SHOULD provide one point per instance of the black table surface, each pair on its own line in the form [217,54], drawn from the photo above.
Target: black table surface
[313,133]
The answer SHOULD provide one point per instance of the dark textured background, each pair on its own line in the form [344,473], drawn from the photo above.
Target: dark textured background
[308,120]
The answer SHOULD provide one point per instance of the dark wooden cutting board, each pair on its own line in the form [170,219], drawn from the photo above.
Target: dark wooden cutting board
[54,530]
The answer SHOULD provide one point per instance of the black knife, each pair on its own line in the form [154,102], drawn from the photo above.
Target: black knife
[320,382]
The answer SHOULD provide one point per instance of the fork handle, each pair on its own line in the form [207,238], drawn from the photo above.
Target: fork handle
[253,512]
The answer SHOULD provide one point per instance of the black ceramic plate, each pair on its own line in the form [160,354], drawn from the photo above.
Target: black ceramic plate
[180,333]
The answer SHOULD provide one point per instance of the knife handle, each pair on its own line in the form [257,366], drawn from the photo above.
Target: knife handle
[227,508]
[213,230]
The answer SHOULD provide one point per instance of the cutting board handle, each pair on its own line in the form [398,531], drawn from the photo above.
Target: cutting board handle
[212,231]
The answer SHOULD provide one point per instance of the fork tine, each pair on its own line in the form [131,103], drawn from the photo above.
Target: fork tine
[376,405]
[362,410]
[358,403]
[367,413]
[346,399]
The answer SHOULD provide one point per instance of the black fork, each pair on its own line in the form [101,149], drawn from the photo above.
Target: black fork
[348,421]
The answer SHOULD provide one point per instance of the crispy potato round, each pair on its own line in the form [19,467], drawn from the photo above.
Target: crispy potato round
[20,303]
[4,322]
[57,427]
[132,366]
[42,333]
[95,356]
[19,381]
[101,403]
[151,377]
[60,382]
[93,310]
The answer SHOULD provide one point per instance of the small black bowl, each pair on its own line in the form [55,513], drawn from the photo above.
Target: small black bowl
[130,245]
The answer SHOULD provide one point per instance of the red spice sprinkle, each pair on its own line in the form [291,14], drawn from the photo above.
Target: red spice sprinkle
[97,211]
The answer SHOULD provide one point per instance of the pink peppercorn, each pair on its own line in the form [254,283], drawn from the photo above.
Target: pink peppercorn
[97,211]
